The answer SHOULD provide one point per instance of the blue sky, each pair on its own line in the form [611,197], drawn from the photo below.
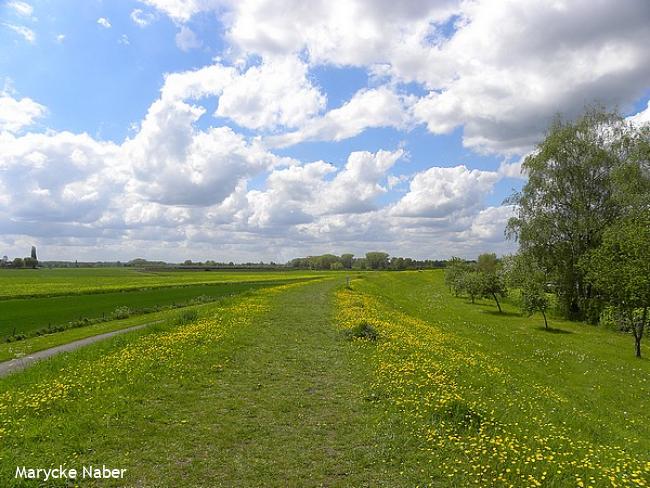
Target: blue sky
[255,130]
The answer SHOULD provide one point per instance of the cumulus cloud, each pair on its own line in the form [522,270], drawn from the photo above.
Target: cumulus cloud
[502,72]
[104,22]
[17,114]
[377,107]
[276,93]
[440,192]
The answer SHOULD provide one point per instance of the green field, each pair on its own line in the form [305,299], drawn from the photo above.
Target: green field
[15,283]
[25,316]
[266,388]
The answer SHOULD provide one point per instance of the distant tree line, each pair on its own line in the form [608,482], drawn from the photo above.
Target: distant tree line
[30,261]
[371,261]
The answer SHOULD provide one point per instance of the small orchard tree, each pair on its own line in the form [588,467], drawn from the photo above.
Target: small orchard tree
[493,286]
[472,283]
[620,270]
[492,277]
[455,273]
[522,272]
[534,298]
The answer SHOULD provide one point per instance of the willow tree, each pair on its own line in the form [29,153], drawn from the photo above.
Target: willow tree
[568,201]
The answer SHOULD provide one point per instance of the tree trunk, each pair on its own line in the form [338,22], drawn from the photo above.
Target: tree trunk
[638,333]
[545,321]
[497,300]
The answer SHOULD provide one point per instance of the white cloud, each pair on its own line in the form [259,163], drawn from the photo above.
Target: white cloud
[124,40]
[276,93]
[186,39]
[175,164]
[502,73]
[60,38]
[141,18]
[25,32]
[17,114]
[21,8]
[104,22]
[441,192]
[183,10]
[377,107]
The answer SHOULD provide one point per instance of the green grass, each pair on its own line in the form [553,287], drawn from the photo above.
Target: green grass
[261,391]
[483,392]
[15,283]
[288,386]
[17,349]
[28,315]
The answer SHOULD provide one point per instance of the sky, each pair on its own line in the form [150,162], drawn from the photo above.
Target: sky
[248,130]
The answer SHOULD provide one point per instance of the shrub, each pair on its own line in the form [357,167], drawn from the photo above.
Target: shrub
[363,330]
[122,313]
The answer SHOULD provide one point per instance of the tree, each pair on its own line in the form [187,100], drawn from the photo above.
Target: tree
[472,283]
[568,200]
[492,277]
[30,262]
[377,260]
[487,263]
[620,269]
[455,274]
[19,263]
[522,272]
[346,260]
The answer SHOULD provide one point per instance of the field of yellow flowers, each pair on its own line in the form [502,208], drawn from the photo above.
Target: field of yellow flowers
[493,400]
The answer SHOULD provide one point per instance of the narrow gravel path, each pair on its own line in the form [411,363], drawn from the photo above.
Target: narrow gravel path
[8,367]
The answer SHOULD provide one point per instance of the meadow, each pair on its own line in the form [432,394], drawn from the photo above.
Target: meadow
[27,283]
[26,316]
[277,386]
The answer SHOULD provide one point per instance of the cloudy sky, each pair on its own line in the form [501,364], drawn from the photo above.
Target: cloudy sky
[267,129]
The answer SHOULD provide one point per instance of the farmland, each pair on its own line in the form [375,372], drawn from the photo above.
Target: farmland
[267,388]
[21,283]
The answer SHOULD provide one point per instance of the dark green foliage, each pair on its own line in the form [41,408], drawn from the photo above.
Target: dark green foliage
[362,330]
[377,260]
[570,198]
[620,269]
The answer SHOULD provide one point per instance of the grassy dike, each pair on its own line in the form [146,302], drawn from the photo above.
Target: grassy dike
[263,391]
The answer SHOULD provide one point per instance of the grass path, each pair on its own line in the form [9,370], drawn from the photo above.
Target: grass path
[275,400]
[290,410]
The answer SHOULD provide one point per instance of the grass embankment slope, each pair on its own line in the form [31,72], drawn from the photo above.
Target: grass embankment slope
[496,400]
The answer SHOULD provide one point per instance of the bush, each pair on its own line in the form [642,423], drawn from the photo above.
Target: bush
[363,330]
[122,313]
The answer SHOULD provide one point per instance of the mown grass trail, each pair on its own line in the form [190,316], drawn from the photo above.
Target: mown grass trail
[263,391]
